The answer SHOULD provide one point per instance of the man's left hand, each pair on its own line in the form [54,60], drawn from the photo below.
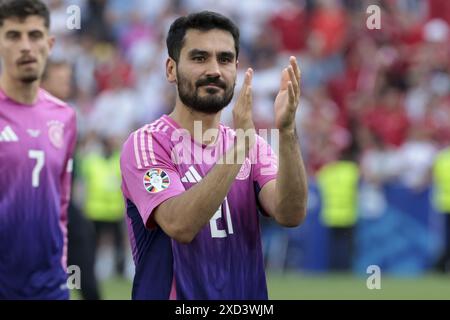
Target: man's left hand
[287,100]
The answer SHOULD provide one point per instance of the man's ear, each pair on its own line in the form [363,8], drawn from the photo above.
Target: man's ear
[171,70]
[51,43]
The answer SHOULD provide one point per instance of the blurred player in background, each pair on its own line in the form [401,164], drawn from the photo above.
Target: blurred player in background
[194,225]
[441,179]
[57,80]
[37,139]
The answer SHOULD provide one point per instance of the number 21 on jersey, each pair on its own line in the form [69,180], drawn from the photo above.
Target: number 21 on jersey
[215,231]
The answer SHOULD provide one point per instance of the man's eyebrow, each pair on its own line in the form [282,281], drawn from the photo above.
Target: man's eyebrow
[195,52]
[35,30]
[19,31]
[227,54]
[12,32]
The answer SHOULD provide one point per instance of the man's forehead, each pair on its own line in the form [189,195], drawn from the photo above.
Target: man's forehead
[211,40]
[24,24]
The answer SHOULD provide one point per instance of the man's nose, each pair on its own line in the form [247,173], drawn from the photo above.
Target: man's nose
[213,70]
[25,44]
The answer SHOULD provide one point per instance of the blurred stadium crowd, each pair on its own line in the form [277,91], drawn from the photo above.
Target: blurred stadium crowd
[380,98]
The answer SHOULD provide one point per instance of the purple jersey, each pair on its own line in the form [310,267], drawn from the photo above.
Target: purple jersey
[224,261]
[36,146]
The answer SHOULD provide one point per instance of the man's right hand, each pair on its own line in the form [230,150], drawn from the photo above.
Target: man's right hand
[242,115]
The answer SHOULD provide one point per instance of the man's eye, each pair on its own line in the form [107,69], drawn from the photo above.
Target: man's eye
[13,36]
[199,58]
[36,35]
[225,60]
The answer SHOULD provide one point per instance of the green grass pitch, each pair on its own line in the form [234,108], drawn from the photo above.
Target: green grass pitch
[300,286]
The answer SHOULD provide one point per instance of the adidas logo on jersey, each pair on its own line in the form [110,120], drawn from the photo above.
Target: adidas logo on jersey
[191,176]
[8,135]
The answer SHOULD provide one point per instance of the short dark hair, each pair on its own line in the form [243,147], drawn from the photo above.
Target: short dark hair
[204,21]
[22,9]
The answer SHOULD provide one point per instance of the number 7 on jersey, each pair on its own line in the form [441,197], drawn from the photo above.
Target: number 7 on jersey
[39,156]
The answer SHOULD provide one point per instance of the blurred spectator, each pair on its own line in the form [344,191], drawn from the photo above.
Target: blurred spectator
[380,164]
[338,184]
[100,172]
[329,25]
[441,175]
[388,118]
[96,20]
[439,9]
[417,156]
[116,111]
[290,23]
[57,80]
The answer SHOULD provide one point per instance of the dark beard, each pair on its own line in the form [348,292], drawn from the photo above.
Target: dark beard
[210,104]
[29,79]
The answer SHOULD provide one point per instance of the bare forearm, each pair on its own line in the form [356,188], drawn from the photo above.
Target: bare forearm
[291,183]
[183,216]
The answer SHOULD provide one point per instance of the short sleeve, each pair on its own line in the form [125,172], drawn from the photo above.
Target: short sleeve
[149,176]
[265,162]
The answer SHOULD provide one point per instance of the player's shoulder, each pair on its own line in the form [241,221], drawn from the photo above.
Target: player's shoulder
[161,127]
[154,136]
[50,100]
[60,109]
[158,129]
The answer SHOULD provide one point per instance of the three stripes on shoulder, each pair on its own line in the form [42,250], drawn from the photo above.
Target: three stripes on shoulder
[8,135]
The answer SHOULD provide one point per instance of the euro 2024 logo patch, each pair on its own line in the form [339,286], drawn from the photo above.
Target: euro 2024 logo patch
[156,180]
